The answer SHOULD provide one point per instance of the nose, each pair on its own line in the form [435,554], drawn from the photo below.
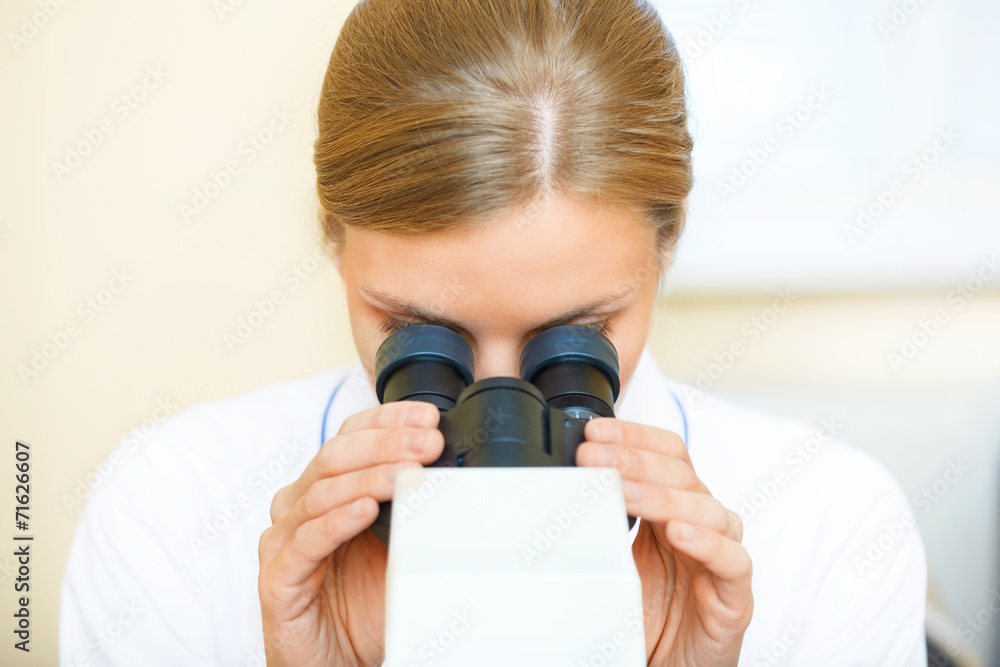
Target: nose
[497,360]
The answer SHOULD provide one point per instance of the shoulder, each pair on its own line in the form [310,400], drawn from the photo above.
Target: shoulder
[204,453]
[173,523]
[836,549]
[748,452]
[175,520]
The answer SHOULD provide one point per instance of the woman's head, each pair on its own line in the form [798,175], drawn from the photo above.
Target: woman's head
[494,165]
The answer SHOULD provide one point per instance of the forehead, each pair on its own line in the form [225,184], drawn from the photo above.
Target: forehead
[519,266]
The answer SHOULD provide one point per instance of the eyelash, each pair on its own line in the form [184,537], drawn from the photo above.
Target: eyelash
[392,325]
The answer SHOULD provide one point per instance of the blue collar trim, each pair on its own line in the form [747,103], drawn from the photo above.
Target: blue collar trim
[684,419]
[326,413]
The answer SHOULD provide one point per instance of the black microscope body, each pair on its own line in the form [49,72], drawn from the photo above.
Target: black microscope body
[569,375]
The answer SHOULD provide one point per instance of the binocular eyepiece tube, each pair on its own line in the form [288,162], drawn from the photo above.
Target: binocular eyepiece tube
[569,374]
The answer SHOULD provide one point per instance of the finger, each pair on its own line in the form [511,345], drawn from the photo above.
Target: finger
[640,465]
[363,449]
[727,560]
[660,504]
[377,482]
[358,450]
[392,415]
[737,524]
[640,436]
[314,540]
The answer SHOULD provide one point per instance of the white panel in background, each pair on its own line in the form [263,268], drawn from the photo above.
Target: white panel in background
[804,114]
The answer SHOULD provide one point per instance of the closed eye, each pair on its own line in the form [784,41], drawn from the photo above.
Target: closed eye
[392,325]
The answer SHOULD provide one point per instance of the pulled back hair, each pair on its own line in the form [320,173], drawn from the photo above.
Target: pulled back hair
[437,113]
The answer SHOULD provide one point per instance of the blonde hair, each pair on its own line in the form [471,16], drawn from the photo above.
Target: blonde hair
[436,113]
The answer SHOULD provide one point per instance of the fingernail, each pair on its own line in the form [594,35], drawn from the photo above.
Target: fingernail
[686,531]
[357,506]
[632,490]
[417,441]
[606,431]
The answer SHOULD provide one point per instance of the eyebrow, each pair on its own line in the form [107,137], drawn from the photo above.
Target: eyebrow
[416,312]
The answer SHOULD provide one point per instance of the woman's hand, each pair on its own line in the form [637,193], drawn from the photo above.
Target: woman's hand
[322,570]
[695,572]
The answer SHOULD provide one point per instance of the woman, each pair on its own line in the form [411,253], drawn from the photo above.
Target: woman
[500,167]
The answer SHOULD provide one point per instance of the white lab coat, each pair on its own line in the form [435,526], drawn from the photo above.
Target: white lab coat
[163,566]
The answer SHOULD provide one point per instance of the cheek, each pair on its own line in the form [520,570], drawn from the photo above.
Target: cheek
[629,345]
[630,333]
[365,322]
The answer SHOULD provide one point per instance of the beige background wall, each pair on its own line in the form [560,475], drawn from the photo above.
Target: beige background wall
[161,339]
